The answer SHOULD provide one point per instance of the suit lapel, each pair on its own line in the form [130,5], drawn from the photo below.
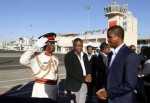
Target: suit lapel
[118,57]
[77,61]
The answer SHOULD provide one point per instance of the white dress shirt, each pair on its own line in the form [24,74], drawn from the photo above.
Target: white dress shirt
[105,58]
[115,52]
[104,54]
[89,56]
[82,63]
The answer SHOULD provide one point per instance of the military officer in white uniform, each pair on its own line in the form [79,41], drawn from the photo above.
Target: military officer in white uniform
[44,66]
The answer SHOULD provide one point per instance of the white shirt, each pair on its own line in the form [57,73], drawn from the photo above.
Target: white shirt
[115,52]
[147,61]
[89,56]
[27,59]
[104,54]
[82,63]
[105,59]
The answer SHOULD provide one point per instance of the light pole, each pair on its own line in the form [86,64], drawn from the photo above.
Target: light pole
[88,10]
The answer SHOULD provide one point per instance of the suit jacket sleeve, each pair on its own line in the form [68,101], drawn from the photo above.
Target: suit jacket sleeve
[130,77]
[69,67]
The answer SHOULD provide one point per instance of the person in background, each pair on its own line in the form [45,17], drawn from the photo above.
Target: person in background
[146,64]
[78,71]
[44,66]
[122,70]
[104,51]
[90,55]
[146,73]
[89,52]
[133,48]
[99,68]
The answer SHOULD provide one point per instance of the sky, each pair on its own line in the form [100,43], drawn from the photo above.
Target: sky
[34,17]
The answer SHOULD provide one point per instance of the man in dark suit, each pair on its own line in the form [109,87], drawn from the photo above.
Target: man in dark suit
[122,71]
[78,71]
[89,49]
[89,52]
[99,67]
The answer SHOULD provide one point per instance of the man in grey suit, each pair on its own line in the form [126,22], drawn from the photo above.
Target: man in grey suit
[122,70]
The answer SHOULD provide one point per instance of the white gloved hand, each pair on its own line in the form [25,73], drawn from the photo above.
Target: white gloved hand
[41,42]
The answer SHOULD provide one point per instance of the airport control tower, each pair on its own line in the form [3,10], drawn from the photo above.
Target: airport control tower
[120,15]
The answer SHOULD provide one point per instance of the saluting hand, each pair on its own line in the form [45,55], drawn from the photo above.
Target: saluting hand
[41,42]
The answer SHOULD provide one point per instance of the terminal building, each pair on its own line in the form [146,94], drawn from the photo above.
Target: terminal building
[64,41]
[21,44]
